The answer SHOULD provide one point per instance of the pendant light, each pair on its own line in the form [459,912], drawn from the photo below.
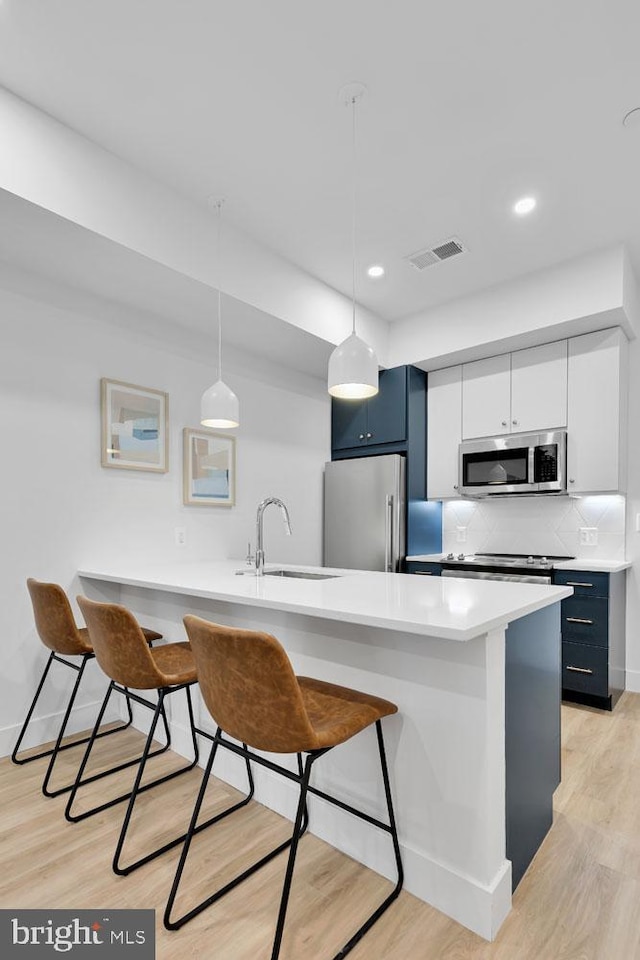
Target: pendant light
[353,365]
[219,406]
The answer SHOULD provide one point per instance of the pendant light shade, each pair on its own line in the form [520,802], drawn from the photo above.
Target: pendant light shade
[219,406]
[353,370]
[353,365]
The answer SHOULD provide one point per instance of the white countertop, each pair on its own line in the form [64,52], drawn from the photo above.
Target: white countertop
[453,609]
[580,563]
[593,566]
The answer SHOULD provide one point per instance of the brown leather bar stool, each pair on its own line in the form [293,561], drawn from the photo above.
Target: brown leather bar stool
[58,631]
[124,656]
[249,687]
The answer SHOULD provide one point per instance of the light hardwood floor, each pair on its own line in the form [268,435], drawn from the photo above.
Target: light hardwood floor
[580,899]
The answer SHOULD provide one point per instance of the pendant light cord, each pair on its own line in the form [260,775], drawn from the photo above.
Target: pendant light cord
[219,206]
[353,215]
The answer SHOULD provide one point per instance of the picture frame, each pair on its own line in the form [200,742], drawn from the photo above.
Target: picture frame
[209,468]
[135,427]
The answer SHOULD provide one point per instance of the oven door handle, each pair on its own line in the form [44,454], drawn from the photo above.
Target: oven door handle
[532,464]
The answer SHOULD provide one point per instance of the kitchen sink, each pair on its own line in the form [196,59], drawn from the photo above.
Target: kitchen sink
[300,575]
[296,574]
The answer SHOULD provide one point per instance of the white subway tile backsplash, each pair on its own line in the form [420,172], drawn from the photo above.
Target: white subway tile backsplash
[537,525]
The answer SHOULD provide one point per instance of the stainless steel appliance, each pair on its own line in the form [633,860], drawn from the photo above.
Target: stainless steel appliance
[529,463]
[364,513]
[518,567]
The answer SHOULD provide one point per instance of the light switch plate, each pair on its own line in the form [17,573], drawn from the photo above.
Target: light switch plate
[589,536]
[461,534]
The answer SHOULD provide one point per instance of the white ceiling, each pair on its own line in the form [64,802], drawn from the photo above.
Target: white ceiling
[470,105]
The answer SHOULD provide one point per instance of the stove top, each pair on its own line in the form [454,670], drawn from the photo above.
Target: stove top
[511,560]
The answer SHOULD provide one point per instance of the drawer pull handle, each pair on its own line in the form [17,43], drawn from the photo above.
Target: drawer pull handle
[577,583]
[579,670]
[424,573]
[578,620]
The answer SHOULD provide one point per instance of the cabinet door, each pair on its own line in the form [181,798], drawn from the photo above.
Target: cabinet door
[348,423]
[444,425]
[539,387]
[596,412]
[387,411]
[486,397]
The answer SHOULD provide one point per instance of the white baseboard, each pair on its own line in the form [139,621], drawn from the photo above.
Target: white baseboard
[44,729]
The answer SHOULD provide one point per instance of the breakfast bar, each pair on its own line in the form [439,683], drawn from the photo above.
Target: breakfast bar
[474,667]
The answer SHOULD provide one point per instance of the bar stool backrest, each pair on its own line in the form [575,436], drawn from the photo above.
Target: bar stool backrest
[54,618]
[249,687]
[120,646]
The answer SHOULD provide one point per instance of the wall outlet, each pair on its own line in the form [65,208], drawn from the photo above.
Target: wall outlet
[461,534]
[181,536]
[588,536]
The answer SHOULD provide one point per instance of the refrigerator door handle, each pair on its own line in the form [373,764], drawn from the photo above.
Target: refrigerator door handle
[388,534]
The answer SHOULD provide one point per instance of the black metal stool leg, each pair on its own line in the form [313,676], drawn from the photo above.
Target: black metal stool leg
[63,727]
[194,828]
[286,889]
[95,735]
[357,936]
[46,753]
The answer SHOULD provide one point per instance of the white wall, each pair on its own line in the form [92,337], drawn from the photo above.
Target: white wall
[633,508]
[59,509]
[580,296]
[540,525]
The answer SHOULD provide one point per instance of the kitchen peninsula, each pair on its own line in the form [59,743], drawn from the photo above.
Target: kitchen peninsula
[473,791]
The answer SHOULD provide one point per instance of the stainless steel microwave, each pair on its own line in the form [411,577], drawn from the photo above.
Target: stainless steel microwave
[530,463]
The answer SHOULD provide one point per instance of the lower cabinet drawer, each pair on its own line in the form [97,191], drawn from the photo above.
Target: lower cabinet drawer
[585,668]
[586,620]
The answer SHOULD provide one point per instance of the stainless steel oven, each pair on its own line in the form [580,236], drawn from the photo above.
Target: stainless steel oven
[515,567]
[529,463]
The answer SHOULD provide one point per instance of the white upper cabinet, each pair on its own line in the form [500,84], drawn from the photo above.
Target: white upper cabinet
[597,411]
[539,388]
[486,397]
[444,422]
[515,392]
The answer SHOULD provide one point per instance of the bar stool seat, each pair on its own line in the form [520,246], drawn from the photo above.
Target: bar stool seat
[61,635]
[249,687]
[339,713]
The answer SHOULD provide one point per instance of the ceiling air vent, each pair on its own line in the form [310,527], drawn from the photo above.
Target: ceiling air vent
[443,251]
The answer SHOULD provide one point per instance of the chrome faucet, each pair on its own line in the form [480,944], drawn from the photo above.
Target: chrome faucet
[287,526]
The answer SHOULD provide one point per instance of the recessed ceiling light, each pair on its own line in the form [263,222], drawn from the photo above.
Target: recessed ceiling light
[524,205]
[375,271]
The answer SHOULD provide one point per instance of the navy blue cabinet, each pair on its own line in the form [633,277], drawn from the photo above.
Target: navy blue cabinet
[593,637]
[381,419]
[394,421]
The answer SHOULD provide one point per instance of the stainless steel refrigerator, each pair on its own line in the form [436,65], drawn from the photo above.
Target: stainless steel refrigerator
[364,513]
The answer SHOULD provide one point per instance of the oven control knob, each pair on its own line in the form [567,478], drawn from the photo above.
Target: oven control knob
[530,560]
[450,556]
[461,556]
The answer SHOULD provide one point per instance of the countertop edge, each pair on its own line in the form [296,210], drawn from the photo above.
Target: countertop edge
[405,626]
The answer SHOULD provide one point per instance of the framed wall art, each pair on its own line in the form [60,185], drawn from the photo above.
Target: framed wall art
[134,427]
[209,468]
